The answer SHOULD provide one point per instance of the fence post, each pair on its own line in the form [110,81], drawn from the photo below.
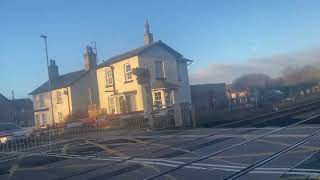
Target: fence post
[177,115]
[193,116]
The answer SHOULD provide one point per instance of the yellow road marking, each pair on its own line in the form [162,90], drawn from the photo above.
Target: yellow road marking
[86,165]
[61,167]
[165,145]
[64,149]
[107,149]
[261,154]
[110,150]
[287,144]
[229,162]
[15,166]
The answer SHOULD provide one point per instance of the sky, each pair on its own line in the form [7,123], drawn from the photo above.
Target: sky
[221,36]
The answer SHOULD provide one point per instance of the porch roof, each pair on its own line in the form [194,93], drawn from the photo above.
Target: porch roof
[157,84]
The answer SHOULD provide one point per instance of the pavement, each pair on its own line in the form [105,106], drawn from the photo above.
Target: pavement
[139,154]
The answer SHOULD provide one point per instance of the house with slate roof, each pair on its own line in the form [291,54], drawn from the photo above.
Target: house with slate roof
[6,110]
[71,93]
[18,111]
[119,91]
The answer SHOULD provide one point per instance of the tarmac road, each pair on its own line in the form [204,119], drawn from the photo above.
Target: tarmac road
[104,154]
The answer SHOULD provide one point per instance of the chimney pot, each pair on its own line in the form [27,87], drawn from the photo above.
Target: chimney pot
[148,37]
[90,59]
[53,70]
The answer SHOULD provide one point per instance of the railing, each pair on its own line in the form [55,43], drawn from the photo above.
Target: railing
[52,138]
[164,119]
[41,140]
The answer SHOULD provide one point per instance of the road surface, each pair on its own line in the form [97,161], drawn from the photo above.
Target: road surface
[141,154]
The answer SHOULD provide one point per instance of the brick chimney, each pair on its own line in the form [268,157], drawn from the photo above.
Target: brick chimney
[53,70]
[148,37]
[90,59]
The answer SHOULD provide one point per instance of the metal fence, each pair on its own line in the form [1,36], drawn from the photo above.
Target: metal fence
[42,140]
[52,139]
[164,119]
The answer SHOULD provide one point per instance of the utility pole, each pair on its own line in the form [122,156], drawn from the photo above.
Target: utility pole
[15,109]
[49,81]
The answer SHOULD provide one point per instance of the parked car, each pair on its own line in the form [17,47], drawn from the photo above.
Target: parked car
[11,132]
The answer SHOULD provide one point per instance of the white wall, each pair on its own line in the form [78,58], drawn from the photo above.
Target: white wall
[78,99]
[156,53]
[62,107]
[184,82]
[121,86]
[80,92]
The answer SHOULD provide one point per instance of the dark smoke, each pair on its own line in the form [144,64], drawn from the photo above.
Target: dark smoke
[254,80]
[300,76]
[306,75]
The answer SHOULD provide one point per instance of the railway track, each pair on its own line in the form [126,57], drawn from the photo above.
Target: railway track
[242,123]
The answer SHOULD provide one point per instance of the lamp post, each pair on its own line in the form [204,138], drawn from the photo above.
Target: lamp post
[49,81]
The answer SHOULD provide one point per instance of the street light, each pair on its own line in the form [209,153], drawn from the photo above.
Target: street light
[49,81]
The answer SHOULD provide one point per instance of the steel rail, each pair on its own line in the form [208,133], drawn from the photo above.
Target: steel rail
[301,162]
[272,157]
[219,126]
[229,148]
[183,143]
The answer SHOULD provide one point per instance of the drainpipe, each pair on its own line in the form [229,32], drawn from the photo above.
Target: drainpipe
[68,104]
[113,81]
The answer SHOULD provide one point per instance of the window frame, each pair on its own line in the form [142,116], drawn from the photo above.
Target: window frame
[41,101]
[157,100]
[130,100]
[44,119]
[168,95]
[112,104]
[37,118]
[109,77]
[179,70]
[59,97]
[162,74]
[60,117]
[127,73]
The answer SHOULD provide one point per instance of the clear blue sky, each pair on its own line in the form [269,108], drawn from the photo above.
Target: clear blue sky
[212,31]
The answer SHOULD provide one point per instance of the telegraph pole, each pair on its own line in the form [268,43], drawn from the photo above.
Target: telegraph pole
[49,81]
